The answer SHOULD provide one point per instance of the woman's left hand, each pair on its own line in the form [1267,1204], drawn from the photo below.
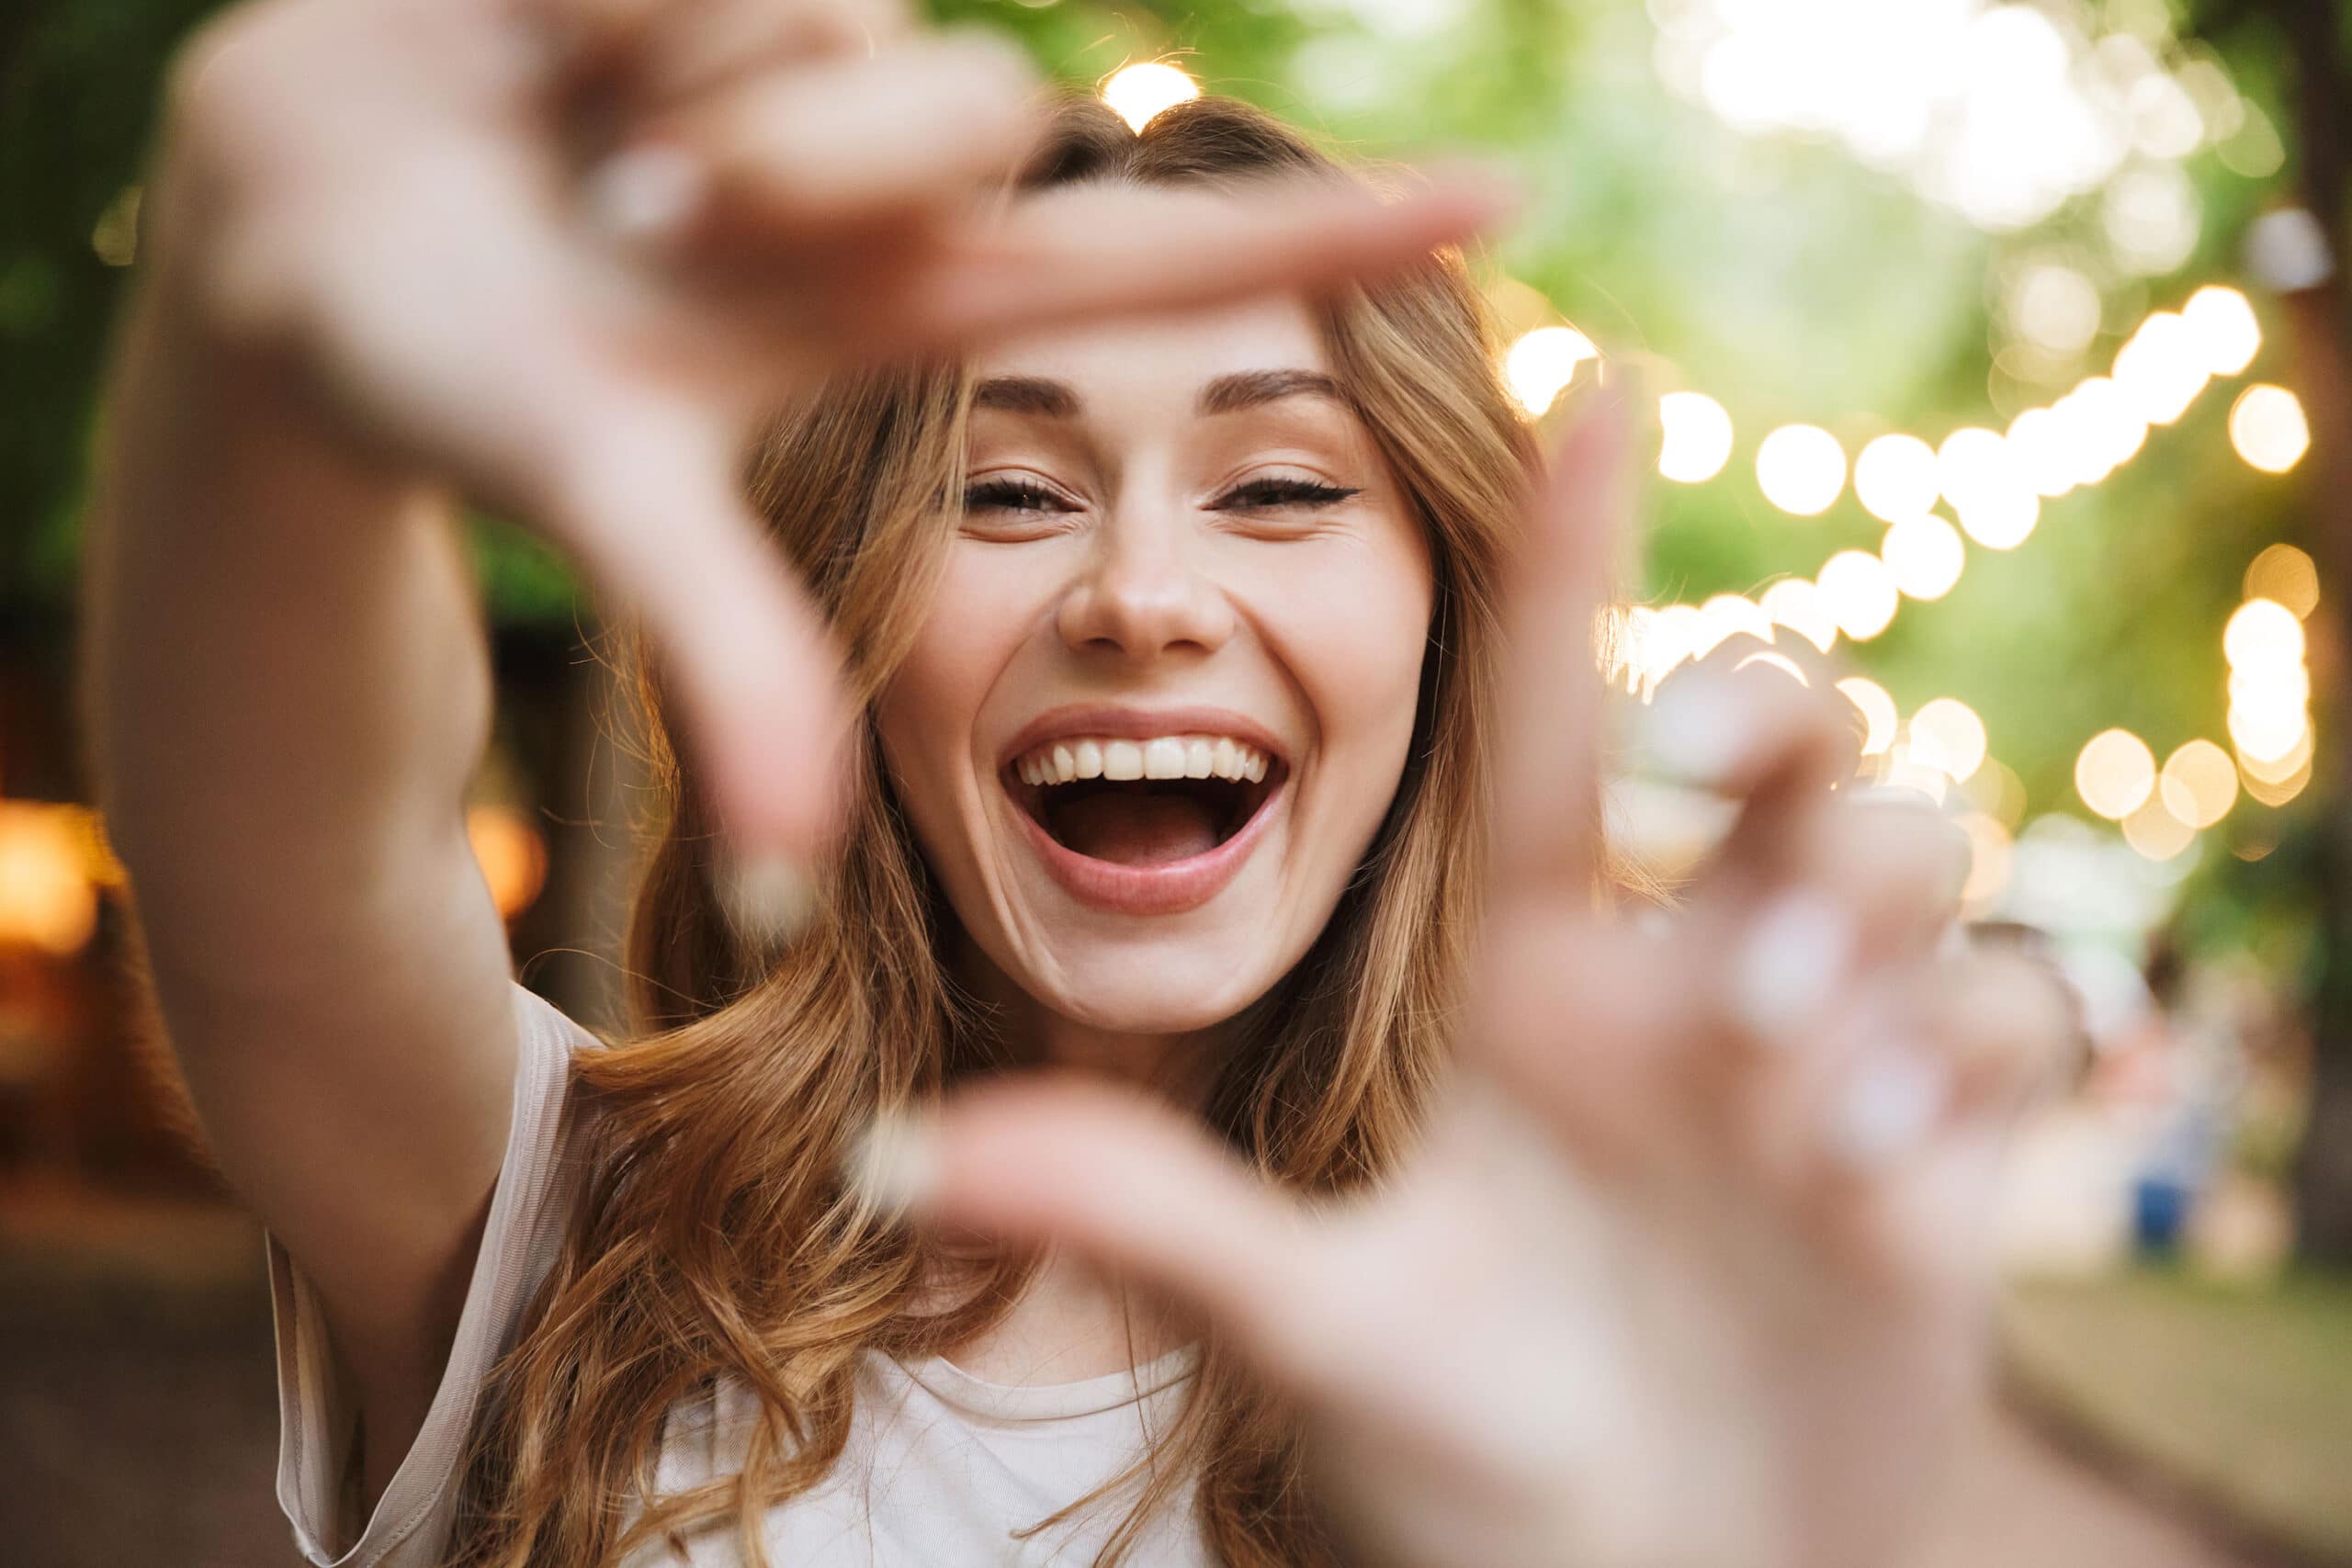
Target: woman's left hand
[1690,1268]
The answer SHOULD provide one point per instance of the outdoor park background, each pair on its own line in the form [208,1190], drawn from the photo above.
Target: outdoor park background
[2079,250]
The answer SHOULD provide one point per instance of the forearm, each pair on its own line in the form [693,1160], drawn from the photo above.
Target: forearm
[285,683]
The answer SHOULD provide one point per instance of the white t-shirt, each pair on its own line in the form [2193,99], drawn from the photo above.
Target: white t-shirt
[941,1468]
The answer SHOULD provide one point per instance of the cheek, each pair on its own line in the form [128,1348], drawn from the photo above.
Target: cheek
[1353,630]
[926,715]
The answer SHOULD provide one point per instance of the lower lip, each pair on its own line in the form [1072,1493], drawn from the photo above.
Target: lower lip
[1167,890]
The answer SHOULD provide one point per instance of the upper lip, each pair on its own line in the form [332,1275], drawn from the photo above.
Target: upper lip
[1138,724]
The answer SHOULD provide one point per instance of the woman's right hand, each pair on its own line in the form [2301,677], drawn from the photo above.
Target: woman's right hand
[559,255]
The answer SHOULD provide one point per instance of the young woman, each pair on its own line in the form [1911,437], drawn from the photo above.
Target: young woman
[1221,735]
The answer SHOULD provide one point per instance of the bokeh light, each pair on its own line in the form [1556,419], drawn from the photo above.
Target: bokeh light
[1859,592]
[1543,363]
[2267,427]
[1947,733]
[1996,790]
[1727,615]
[2205,780]
[2056,308]
[1895,477]
[2114,772]
[1879,718]
[2262,633]
[512,856]
[2285,575]
[2155,830]
[1801,468]
[1988,487]
[1796,604]
[1136,92]
[2223,323]
[48,900]
[2265,732]
[1925,556]
[2162,369]
[2277,785]
[2041,442]
[2104,430]
[1697,437]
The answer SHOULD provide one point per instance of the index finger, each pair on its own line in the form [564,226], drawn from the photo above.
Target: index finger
[1085,252]
[1548,796]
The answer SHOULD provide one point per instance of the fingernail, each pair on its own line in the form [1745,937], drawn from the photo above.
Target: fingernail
[1696,730]
[766,896]
[894,1163]
[1789,965]
[1887,1106]
[644,192]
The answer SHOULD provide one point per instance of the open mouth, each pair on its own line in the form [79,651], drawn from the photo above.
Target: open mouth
[1145,803]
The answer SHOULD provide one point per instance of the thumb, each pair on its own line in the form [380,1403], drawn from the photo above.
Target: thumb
[647,495]
[1125,1181]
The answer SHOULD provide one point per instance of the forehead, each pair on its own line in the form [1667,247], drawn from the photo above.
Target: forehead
[1173,353]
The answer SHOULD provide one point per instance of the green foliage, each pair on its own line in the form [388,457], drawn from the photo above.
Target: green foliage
[1774,273]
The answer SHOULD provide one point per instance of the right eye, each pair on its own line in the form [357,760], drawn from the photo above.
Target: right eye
[1008,493]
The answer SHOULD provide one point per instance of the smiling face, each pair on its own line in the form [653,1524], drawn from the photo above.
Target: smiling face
[1164,695]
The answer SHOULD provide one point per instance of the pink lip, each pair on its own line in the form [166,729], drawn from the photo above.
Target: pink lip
[1177,885]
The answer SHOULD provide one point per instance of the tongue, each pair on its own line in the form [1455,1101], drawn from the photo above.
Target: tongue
[1136,830]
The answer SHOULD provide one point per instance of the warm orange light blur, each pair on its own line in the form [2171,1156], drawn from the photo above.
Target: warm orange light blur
[47,897]
[2281,790]
[512,856]
[2285,575]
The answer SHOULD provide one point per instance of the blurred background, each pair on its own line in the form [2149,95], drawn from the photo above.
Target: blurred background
[2004,364]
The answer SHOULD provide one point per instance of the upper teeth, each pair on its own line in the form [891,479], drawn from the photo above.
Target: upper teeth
[1163,756]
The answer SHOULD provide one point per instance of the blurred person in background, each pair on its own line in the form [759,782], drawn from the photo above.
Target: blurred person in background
[1147,647]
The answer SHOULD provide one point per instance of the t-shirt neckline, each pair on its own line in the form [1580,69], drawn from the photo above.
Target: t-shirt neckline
[1056,1401]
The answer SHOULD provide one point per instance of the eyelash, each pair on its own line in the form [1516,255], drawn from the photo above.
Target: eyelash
[1256,495]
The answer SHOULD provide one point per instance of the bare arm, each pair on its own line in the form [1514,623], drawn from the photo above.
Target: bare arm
[286,687]
[283,715]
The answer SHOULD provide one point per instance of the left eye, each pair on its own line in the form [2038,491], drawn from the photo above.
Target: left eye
[1265,494]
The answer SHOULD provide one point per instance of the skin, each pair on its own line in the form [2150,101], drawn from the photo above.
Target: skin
[1149,579]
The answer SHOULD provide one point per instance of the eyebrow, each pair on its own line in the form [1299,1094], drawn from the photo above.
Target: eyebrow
[1050,399]
[1248,389]
[1026,394]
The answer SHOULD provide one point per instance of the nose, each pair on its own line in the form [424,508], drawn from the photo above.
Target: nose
[1140,598]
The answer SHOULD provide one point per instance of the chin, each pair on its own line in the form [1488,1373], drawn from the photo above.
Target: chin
[1163,985]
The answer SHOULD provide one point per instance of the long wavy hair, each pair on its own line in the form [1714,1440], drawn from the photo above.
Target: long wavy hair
[715,1237]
